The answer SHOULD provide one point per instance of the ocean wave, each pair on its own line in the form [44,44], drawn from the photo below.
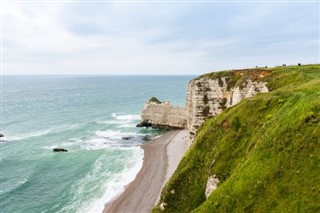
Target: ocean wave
[116,185]
[100,186]
[4,139]
[125,117]
[30,135]
[127,125]
[67,127]
[15,186]
[74,140]
[39,133]
[110,122]
[70,142]
[120,120]
[67,144]
[114,134]
[97,143]
[102,143]
[50,147]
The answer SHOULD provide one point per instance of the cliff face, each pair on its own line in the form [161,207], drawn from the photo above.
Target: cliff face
[261,155]
[208,96]
[163,115]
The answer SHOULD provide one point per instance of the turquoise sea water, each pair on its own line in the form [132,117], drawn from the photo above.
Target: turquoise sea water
[88,115]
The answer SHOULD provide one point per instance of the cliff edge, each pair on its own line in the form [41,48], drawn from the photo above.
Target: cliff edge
[210,94]
[207,96]
[260,155]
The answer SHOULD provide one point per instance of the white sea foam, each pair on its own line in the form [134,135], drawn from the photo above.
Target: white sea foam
[67,144]
[50,147]
[122,123]
[106,139]
[74,140]
[4,139]
[114,134]
[127,125]
[121,120]
[109,134]
[30,135]
[53,130]
[70,142]
[66,127]
[111,122]
[111,187]
[97,143]
[126,117]
[116,185]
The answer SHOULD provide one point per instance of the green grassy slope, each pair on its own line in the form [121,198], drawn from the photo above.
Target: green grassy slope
[265,152]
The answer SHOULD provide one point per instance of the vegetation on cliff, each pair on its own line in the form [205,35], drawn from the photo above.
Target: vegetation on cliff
[265,151]
[236,78]
[155,100]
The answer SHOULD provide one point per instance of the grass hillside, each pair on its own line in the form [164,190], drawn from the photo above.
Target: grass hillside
[265,151]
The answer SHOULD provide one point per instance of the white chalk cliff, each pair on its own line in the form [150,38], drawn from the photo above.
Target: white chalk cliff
[163,115]
[207,96]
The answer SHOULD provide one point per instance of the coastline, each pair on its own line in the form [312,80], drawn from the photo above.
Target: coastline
[161,158]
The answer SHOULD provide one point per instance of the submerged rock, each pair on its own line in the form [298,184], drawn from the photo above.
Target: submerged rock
[60,150]
[1,135]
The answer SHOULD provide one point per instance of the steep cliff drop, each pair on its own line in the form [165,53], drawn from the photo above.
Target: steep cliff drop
[207,96]
[260,155]
[210,94]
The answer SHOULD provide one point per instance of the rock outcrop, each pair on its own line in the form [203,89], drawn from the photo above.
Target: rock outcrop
[209,95]
[60,150]
[163,115]
[212,184]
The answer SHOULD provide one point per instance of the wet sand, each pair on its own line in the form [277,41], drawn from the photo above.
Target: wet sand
[161,157]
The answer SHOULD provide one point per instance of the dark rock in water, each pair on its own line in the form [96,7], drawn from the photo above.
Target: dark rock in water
[1,135]
[59,150]
[144,124]
[156,126]
[127,138]
[139,125]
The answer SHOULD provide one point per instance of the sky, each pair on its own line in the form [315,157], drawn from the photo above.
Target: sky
[155,38]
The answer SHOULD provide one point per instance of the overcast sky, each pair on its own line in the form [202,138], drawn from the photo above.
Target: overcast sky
[155,38]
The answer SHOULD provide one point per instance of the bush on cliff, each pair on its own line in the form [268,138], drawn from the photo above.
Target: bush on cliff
[265,152]
[155,100]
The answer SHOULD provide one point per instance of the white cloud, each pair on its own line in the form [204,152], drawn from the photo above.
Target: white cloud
[159,38]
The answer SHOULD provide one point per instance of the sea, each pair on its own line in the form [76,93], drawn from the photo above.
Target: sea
[88,116]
